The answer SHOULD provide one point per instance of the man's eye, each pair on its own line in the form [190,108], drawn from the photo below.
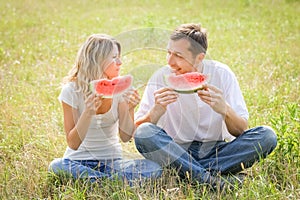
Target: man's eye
[178,55]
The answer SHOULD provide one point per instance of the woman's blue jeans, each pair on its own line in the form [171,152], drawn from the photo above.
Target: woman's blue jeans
[131,170]
[200,158]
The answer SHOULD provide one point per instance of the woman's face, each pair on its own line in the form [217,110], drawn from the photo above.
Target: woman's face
[113,68]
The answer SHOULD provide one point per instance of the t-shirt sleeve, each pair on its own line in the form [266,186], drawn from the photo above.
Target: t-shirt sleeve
[69,96]
[148,101]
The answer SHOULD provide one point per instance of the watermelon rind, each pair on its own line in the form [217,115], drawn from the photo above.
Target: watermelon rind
[190,91]
[125,77]
[92,86]
[186,91]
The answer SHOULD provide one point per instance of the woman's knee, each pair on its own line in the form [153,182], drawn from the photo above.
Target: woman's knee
[156,170]
[56,165]
[151,169]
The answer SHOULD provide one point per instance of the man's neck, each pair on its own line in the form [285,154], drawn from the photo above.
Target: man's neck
[200,67]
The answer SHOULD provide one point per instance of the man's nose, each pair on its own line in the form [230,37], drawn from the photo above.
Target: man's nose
[171,59]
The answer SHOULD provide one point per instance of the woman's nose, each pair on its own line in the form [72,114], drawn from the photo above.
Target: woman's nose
[118,61]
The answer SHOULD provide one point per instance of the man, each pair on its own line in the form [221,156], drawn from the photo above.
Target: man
[202,134]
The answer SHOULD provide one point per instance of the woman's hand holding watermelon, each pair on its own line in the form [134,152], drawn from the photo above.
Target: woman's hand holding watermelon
[93,103]
[132,97]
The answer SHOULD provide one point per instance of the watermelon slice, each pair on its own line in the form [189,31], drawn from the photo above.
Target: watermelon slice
[109,88]
[186,83]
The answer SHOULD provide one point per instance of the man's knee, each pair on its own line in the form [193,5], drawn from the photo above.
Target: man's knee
[269,136]
[145,131]
[147,137]
[266,138]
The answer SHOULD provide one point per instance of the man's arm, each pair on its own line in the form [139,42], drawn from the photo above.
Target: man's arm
[163,97]
[213,96]
[152,116]
[236,125]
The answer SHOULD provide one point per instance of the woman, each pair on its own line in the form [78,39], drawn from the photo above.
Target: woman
[92,123]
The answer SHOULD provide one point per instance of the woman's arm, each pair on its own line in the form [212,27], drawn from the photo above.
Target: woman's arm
[126,114]
[76,126]
[126,121]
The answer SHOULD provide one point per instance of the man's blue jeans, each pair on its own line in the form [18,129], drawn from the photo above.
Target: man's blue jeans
[130,170]
[199,158]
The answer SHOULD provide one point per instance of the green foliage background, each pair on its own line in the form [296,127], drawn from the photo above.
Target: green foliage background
[39,40]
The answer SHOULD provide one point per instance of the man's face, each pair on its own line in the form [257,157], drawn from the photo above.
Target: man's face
[180,58]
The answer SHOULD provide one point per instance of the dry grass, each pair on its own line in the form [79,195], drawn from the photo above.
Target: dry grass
[259,40]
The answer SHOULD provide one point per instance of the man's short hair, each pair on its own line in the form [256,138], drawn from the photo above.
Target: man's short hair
[195,34]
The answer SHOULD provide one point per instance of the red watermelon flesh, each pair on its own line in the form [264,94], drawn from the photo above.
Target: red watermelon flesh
[186,83]
[109,88]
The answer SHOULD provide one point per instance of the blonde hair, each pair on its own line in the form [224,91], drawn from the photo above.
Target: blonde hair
[91,61]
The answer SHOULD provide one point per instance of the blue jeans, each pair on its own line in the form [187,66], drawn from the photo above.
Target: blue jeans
[131,170]
[200,158]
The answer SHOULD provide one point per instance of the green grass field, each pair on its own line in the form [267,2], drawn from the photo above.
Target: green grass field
[39,40]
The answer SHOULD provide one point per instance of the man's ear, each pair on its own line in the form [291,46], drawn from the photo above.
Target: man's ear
[200,57]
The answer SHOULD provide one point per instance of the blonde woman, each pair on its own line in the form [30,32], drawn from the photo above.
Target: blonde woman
[94,125]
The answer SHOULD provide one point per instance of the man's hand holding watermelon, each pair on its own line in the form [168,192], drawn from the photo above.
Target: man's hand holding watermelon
[182,61]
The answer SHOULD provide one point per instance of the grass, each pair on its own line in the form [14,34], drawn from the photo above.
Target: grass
[259,40]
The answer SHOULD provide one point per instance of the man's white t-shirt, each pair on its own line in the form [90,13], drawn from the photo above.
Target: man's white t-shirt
[101,141]
[189,118]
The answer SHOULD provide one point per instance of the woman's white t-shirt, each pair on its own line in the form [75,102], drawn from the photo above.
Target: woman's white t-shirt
[101,141]
[190,119]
